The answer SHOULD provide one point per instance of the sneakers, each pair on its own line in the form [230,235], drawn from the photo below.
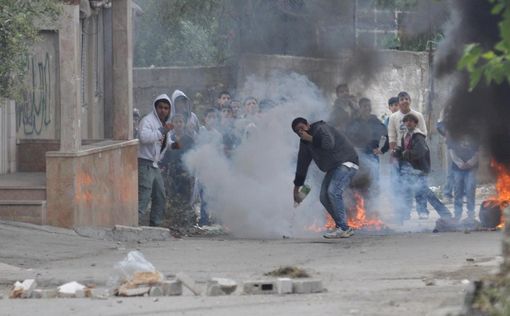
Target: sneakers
[339,233]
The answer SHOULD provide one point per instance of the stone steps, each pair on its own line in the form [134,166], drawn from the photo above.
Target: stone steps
[28,211]
[22,193]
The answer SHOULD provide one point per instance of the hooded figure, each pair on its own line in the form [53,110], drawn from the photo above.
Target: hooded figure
[182,105]
[155,139]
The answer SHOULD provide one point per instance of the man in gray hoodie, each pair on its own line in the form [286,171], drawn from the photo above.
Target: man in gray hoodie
[154,135]
[333,154]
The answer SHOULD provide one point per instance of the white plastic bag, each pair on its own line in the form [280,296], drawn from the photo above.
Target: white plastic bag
[125,269]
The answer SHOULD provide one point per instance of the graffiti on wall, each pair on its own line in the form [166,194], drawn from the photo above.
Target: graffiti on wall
[37,108]
[34,113]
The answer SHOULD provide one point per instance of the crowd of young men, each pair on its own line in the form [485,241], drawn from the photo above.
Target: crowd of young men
[345,147]
[354,139]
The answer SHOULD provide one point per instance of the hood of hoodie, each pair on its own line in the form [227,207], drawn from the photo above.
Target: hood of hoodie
[418,131]
[164,96]
[179,93]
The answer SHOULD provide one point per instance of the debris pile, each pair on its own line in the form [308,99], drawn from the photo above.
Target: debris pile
[135,276]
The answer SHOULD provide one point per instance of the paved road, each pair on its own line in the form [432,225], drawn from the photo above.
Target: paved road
[397,274]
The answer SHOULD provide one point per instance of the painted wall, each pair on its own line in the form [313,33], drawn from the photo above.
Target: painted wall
[97,186]
[37,113]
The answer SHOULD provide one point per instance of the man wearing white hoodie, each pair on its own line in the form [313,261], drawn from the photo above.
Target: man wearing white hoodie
[182,105]
[155,139]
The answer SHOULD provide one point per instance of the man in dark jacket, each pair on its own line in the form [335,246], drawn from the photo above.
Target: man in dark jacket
[369,136]
[333,154]
[414,162]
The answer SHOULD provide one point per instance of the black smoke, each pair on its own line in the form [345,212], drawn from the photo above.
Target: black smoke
[484,112]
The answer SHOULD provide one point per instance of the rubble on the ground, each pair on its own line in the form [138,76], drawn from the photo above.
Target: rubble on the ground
[23,289]
[138,277]
[288,271]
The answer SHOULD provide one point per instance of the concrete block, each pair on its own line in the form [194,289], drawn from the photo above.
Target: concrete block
[44,293]
[259,287]
[156,291]
[155,233]
[304,286]
[171,287]
[139,291]
[213,289]
[228,286]
[189,283]
[23,289]
[126,233]
[284,285]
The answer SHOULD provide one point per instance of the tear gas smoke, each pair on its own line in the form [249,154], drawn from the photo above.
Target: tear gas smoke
[251,193]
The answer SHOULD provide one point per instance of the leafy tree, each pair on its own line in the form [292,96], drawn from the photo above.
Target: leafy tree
[17,34]
[182,32]
[492,64]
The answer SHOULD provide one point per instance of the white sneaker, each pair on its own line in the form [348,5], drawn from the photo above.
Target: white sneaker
[339,233]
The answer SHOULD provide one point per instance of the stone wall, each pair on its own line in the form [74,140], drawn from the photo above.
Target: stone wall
[97,186]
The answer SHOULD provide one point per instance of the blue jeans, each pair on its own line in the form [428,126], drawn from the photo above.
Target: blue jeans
[409,184]
[331,196]
[449,185]
[417,183]
[464,184]
[151,187]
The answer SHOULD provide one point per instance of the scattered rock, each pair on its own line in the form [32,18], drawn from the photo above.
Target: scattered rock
[470,259]
[171,287]
[429,282]
[140,291]
[307,286]
[213,289]
[189,283]
[259,287]
[228,286]
[23,289]
[156,291]
[71,289]
[284,285]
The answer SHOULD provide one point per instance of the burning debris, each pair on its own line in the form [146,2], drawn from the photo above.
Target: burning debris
[492,209]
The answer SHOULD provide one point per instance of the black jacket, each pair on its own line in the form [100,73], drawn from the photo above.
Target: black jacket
[329,149]
[366,133]
[417,155]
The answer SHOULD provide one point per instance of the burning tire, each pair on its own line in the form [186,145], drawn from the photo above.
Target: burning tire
[491,212]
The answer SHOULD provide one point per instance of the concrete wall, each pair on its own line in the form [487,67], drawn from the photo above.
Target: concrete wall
[7,136]
[400,71]
[96,186]
[37,113]
[200,83]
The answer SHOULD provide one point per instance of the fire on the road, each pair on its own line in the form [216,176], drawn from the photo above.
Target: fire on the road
[502,188]
[357,218]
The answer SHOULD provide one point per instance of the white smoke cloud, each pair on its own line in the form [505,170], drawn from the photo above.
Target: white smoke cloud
[251,193]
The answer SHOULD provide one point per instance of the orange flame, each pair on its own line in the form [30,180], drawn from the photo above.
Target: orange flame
[502,187]
[356,218]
